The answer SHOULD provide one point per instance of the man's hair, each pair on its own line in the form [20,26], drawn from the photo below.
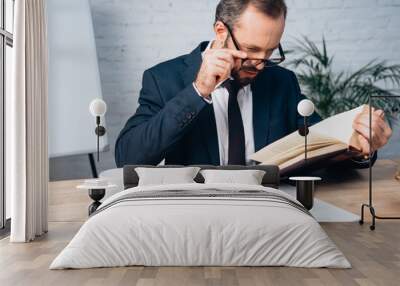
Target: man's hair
[228,11]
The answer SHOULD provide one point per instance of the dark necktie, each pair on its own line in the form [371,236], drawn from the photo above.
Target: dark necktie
[236,147]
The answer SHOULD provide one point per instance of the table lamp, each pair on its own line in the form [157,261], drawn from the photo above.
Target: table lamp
[98,108]
[305,108]
[305,186]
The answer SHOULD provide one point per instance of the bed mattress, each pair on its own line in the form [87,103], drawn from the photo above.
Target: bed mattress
[201,225]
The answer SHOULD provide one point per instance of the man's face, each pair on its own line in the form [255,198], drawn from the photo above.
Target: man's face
[258,35]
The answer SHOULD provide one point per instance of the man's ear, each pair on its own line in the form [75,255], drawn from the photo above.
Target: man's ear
[221,33]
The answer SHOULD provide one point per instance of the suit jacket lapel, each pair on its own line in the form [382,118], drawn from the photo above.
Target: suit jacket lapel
[209,127]
[261,112]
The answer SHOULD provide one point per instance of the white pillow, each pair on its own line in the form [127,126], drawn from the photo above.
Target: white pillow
[165,176]
[248,177]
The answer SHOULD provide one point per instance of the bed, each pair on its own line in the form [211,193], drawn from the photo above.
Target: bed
[201,224]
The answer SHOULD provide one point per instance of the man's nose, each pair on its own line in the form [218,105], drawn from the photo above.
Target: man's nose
[256,64]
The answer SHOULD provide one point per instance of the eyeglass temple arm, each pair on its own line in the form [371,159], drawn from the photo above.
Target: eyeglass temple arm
[281,51]
[233,38]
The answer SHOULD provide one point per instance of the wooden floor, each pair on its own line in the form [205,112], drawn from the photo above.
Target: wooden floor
[375,256]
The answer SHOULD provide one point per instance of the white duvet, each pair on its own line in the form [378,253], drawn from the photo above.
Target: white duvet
[200,231]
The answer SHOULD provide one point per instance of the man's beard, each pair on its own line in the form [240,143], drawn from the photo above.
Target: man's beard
[243,81]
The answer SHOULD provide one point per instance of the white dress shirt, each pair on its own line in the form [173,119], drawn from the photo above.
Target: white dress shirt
[219,100]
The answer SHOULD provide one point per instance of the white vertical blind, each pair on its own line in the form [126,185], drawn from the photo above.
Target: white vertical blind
[8,90]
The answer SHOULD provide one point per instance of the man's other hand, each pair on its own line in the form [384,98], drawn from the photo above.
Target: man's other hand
[381,131]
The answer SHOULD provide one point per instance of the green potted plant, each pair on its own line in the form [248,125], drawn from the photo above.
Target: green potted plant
[334,92]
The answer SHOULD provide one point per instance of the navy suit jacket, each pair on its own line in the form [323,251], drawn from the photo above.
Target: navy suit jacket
[173,122]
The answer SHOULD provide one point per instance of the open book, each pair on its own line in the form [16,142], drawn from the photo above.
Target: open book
[332,139]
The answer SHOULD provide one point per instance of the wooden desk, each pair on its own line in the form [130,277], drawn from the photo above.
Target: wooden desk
[346,190]
[349,189]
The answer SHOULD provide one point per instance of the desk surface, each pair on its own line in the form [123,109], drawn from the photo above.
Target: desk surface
[348,191]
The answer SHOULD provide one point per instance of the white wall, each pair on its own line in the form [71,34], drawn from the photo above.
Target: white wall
[74,79]
[134,35]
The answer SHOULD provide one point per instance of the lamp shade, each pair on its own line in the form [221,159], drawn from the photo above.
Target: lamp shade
[305,107]
[98,107]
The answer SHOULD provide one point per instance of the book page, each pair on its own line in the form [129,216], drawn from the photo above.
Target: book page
[311,154]
[339,126]
[291,146]
[337,129]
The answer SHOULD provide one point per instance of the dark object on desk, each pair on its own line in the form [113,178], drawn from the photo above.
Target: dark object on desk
[370,202]
[96,195]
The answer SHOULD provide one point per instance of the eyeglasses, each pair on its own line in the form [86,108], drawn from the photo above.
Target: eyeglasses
[271,61]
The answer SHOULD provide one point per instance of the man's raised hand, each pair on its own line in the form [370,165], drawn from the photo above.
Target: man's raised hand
[216,67]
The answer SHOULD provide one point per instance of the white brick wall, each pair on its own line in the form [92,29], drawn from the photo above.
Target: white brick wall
[131,36]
